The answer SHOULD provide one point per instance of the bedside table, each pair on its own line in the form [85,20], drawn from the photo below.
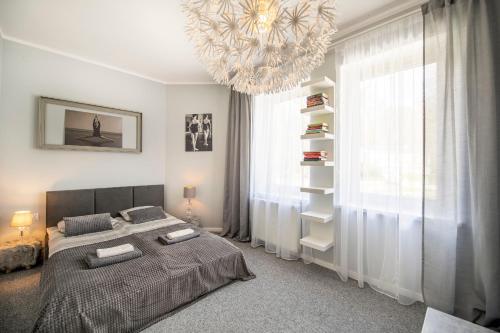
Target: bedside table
[19,253]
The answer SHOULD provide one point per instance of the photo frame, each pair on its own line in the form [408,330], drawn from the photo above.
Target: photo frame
[198,129]
[69,125]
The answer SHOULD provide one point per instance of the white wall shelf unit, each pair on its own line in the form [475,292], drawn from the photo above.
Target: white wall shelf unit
[317,110]
[317,163]
[317,217]
[319,83]
[318,136]
[317,190]
[316,243]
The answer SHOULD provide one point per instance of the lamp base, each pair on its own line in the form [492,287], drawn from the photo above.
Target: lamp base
[195,220]
[189,212]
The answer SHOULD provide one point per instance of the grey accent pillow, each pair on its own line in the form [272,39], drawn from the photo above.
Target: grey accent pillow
[80,225]
[60,224]
[147,215]
[124,213]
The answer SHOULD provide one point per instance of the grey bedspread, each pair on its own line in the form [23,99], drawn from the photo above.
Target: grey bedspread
[132,295]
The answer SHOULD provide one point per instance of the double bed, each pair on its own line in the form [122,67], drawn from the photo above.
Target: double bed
[131,295]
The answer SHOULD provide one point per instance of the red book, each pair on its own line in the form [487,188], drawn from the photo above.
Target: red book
[321,152]
[315,155]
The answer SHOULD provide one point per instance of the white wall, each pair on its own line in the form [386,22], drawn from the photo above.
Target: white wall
[1,65]
[205,170]
[27,172]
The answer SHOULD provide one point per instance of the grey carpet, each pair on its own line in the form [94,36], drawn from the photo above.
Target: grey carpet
[286,296]
[19,300]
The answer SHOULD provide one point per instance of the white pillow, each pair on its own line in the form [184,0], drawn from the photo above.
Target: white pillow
[61,226]
[124,213]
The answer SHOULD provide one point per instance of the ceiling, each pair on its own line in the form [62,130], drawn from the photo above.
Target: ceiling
[144,37]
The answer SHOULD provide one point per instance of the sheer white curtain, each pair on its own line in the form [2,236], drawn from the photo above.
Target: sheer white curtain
[379,158]
[276,175]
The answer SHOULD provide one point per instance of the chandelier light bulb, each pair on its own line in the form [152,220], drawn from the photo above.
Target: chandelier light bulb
[263,23]
[267,13]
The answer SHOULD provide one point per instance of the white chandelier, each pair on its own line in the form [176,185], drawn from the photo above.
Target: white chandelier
[260,46]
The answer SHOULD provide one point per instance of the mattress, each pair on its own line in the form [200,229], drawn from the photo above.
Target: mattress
[132,295]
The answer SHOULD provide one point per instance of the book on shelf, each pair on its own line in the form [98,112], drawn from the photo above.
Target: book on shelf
[311,104]
[316,131]
[318,124]
[321,97]
[314,159]
[317,99]
[320,153]
[317,128]
[315,154]
[318,95]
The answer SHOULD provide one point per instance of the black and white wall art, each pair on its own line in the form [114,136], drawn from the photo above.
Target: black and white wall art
[92,129]
[72,125]
[199,132]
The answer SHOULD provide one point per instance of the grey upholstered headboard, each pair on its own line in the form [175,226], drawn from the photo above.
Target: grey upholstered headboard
[100,200]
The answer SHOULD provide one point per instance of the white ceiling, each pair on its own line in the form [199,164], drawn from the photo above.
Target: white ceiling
[144,37]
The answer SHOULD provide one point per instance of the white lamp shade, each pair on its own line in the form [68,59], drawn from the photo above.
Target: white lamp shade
[22,219]
[189,192]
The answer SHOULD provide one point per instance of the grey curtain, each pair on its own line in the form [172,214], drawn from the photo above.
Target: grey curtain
[461,258]
[236,221]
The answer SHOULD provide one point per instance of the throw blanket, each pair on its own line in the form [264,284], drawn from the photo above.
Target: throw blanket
[134,294]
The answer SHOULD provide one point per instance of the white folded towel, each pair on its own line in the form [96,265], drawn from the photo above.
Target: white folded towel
[114,251]
[179,233]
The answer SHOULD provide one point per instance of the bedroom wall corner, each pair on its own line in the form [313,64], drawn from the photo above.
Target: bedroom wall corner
[205,170]
[27,172]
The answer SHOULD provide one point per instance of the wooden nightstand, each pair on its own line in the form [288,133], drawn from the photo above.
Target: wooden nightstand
[15,254]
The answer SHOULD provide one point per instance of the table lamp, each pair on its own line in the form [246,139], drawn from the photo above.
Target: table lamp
[22,220]
[189,193]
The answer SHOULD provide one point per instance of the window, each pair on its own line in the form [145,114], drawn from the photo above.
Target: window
[276,128]
[381,121]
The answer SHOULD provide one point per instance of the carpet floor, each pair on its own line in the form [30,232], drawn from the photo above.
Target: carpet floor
[286,296]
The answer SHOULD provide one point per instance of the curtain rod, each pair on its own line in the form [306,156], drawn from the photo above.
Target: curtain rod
[370,27]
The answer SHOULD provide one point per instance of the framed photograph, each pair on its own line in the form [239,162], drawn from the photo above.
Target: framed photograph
[77,126]
[199,132]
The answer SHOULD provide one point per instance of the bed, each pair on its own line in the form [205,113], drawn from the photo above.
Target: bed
[132,295]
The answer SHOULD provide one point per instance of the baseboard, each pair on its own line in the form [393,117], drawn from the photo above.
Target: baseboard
[213,230]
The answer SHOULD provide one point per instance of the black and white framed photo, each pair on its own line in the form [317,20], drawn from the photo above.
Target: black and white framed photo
[92,129]
[78,126]
[199,132]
